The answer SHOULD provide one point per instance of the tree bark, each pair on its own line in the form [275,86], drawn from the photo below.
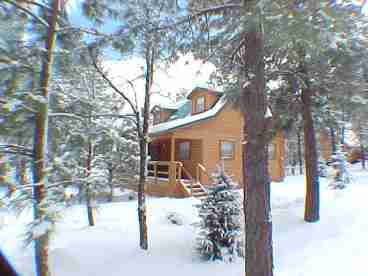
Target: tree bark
[111,184]
[89,197]
[257,208]
[363,153]
[342,138]
[311,160]
[361,142]
[22,171]
[40,143]
[300,156]
[142,209]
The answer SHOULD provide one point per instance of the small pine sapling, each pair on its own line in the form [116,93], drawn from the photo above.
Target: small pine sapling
[340,176]
[220,234]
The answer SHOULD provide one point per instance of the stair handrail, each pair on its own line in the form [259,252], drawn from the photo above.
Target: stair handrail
[202,168]
[189,176]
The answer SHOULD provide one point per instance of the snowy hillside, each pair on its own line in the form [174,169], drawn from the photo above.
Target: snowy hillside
[334,246]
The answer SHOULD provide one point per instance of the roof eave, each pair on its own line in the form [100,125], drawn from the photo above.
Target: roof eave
[158,133]
[182,126]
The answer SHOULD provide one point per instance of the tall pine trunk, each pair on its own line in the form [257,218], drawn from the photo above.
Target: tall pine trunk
[143,144]
[257,209]
[342,138]
[361,142]
[90,200]
[110,181]
[363,154]
[142,209]
[311,160]
[22,171]
[300,156]
[40,142]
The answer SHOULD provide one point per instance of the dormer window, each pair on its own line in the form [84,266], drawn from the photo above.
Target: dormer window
[156,117]
[199,104]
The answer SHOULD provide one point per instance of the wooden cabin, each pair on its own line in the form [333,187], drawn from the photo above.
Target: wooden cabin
[352,150]
[190,139]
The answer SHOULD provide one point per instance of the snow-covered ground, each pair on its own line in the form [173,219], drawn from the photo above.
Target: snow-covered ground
[337,245]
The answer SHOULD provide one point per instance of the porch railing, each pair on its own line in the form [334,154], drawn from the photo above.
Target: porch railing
[170,170]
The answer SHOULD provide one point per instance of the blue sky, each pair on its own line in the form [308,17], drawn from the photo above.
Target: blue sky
[77,19]
[185,74]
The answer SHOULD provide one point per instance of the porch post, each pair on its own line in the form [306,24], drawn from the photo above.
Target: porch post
[172,149]
[172,167]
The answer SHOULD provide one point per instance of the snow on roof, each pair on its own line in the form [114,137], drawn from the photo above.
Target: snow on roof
[170,125]
[183,111]
[172,106]
[202,89]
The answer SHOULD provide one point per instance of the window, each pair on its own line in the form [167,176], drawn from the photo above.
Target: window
[271,151]
[156,117]
[227,150]
[199,104]
[184,150]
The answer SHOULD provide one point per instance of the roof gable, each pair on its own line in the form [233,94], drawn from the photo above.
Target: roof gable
[206,90]
[184,117]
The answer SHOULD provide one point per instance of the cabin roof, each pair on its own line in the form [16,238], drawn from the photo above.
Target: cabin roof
[202,89]
[183,111]
[167,106]
[183,117]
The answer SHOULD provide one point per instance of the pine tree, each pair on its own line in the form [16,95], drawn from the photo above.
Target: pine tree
[40,143]
[220,235]
[341,175]
[153,45]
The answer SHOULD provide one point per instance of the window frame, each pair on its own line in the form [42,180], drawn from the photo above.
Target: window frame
[187,154]
[233,146]
[156,116]
[271,151]
[196,104]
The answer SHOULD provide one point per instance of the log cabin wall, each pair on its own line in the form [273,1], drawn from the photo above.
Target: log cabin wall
[195,154]
[161,115]
[276,164]
[205,137]
[209,100]
[226,126]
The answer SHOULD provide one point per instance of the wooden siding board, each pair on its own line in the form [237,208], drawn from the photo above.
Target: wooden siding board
[226,125]
[276,165]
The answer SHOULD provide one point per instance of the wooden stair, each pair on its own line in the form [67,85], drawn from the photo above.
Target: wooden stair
[194,189]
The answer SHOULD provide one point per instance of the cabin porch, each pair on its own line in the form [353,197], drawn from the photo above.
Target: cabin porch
[175,167]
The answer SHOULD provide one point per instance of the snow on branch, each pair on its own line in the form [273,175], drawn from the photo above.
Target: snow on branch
[42,6]
[81,117]
[20,7]
[197,14]
[15,149]
[113,86]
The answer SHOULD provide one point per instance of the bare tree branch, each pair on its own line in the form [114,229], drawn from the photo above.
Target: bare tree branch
[20,7]
[43,6]
[113,86]
[82,117]
[197,14]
